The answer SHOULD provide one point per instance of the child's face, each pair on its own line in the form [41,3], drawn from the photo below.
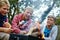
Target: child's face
[50,21]
[4,9]
[28,14]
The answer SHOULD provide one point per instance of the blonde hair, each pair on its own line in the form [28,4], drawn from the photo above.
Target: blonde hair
[29,8]
[3,2]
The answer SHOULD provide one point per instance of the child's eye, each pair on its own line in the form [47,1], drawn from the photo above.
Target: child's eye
[5,9]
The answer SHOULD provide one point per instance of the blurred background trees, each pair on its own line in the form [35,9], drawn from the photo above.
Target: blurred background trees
[18,6]
[13,9]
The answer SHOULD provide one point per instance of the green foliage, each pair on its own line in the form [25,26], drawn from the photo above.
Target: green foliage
[13,2]
[57,2]
[58,20]
[58,35]
[23,4]
[13,9]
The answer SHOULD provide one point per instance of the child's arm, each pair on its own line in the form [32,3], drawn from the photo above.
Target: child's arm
[6,25]
[6,28]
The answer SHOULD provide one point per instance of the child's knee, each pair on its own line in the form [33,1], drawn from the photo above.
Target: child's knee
[6,37]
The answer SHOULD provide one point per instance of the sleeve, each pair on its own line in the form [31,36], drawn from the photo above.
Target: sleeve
[14,24]
[54,35]
[42,26]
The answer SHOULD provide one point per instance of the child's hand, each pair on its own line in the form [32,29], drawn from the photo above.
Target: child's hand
[23,32]
[7,30]
[7,25]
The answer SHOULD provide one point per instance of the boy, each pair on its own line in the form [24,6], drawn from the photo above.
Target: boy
[5,27]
